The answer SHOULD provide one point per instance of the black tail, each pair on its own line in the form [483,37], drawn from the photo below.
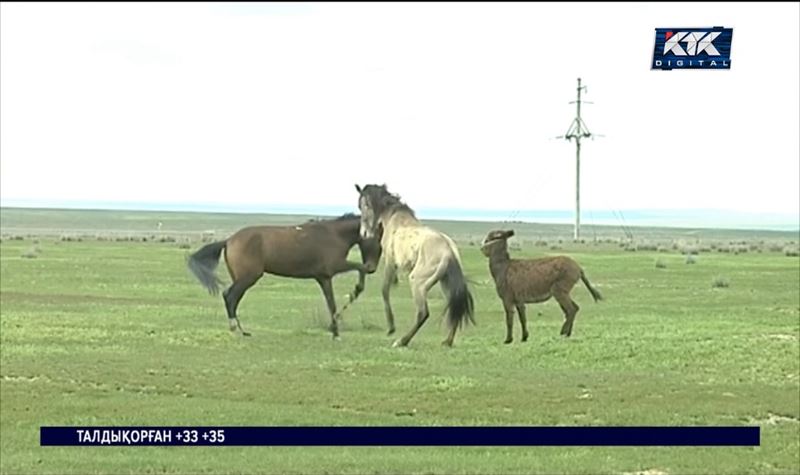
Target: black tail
[459,303]
[595,293]
[204,262]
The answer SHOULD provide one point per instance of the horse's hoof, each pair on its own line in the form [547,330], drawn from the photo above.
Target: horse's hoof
[244,333]
[390,332]
[525,338]
[337,338]
[507,341]
[447,343]
[399,343]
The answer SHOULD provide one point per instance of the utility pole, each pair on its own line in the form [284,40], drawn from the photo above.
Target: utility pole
[578,130]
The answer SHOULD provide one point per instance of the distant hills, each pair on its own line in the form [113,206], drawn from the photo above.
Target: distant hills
[681,218]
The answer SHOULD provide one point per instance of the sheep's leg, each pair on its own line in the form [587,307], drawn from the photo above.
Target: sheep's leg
[509,307]
[570,308]
[523,321]
[575,308]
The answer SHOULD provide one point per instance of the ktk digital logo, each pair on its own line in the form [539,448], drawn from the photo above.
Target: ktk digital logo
[693,48]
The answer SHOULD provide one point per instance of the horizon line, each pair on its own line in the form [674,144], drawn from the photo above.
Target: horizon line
[639,217]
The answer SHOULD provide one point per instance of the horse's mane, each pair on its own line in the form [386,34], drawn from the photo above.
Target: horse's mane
[383,200]
[344,217]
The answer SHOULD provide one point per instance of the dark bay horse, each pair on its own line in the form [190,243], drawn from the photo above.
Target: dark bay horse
[313,250]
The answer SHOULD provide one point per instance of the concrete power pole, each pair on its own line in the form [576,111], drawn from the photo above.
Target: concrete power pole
[578,130]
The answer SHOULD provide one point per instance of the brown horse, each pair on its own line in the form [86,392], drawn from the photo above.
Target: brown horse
[313,250]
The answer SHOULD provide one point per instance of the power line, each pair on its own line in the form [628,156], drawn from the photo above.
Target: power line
[623,225]
[578,130]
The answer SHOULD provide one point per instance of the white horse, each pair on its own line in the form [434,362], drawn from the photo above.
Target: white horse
[429,256]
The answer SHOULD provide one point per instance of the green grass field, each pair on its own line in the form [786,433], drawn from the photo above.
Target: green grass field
[106,332]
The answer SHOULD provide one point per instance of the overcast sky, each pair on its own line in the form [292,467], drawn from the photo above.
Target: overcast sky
[451,105]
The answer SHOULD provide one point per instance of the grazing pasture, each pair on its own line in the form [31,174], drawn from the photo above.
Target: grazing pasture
[100,329]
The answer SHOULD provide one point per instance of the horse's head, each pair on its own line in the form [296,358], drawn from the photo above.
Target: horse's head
[370,199]
[376,204]
[496,241]
[371,250]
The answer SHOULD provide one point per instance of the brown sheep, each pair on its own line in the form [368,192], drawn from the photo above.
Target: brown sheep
[521,281]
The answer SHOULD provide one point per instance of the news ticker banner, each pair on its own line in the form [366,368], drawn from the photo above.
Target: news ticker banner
[399,436]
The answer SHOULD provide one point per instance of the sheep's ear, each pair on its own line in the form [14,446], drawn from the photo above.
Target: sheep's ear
[493,235]
[509,233]
[358,189]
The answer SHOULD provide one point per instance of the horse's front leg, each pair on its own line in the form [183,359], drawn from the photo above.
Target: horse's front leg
[389,279]
[327,290]
[362,275]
